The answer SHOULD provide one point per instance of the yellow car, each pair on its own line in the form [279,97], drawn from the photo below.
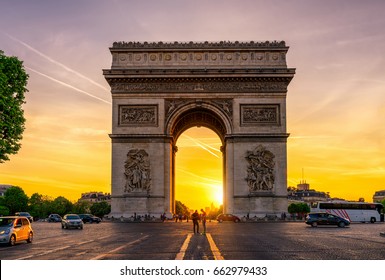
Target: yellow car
[14,229]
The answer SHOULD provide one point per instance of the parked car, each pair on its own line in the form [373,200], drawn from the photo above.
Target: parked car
[54,218]
[228,217]
[89,218]
[71,221]
[14,229]
[322,218]
[25,214]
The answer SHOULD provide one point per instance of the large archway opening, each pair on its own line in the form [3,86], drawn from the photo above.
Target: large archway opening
[199,169]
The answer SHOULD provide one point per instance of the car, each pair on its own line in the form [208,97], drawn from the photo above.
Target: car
[25,214]
[228,217]
[89,218]
[54,218]
[14,229]
[71,221]
[323,218]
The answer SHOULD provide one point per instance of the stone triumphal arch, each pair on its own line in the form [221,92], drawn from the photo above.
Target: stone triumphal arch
[237,89]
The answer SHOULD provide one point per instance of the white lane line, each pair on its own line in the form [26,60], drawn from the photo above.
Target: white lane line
[214,248]
[120,248]
[184,247]
[44,253]
[60,248]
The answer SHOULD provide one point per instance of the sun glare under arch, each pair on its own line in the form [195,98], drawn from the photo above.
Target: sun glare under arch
[199,168]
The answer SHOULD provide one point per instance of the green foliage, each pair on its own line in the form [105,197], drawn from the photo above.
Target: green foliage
[4,211]
[81,207]
[299,209]
[383,203]
[13,82]
[39,206]
[180,208]
[100,209]
[61,206]
[15,200]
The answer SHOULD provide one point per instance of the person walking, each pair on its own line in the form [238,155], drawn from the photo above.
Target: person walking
[203,218]
[195,219]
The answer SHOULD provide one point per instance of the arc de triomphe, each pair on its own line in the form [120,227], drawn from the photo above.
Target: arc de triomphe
[237,89]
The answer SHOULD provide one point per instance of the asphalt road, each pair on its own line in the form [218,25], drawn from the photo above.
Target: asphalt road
[229,241]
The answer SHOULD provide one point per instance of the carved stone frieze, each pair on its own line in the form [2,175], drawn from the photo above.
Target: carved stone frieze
[259,114]
[194,87]
[260,172]
[143,54]
[138,115]
[137,172]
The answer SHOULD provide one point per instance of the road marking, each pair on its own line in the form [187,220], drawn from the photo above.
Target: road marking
[184,247]
[214,248]
[120,248]
[44,253]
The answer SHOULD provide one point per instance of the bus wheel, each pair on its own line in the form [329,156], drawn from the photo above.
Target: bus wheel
[372,220]
[314,224]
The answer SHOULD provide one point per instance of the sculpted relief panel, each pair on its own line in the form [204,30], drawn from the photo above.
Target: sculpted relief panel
[260,172]
[142,115]
[260,114]
[137,172]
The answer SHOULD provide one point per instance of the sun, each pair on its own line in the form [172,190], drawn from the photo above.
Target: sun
[217,194]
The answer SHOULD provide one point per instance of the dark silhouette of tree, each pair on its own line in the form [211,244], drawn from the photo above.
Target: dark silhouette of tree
[13,82]
[61,206]
[15,200]
[181,209]
[100,209]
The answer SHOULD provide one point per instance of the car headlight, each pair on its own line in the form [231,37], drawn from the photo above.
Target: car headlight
[6,231]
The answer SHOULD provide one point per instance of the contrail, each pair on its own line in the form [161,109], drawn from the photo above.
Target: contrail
[67,85]
[57,63]
[203,146]
[209,181]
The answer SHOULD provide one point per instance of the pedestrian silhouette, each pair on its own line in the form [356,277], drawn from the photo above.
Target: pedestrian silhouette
[195,219]
[203,218]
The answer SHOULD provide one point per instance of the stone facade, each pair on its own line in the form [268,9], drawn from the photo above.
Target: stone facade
[237,89]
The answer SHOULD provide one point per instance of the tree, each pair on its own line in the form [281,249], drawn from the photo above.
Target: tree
[13,82]
[15,200]
[61,206]
[298,208]
[39,205]
[181,209]
[82,207]
[100,209]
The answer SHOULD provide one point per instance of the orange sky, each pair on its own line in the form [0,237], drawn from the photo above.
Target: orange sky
[335,103]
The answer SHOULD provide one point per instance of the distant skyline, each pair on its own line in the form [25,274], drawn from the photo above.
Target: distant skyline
[335,103]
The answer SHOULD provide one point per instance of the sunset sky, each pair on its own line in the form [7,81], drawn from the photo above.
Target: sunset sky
[335,103]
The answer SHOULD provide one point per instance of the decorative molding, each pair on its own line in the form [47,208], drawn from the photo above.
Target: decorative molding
[260,172]
[203,86]
[225,105]
[138,115]
[144,54]
[201,45]
[259,114]
[137,172]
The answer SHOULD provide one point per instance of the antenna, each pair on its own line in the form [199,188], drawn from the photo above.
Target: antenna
[303,176]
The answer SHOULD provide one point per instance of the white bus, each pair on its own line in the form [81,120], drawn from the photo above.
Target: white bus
[352,211]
